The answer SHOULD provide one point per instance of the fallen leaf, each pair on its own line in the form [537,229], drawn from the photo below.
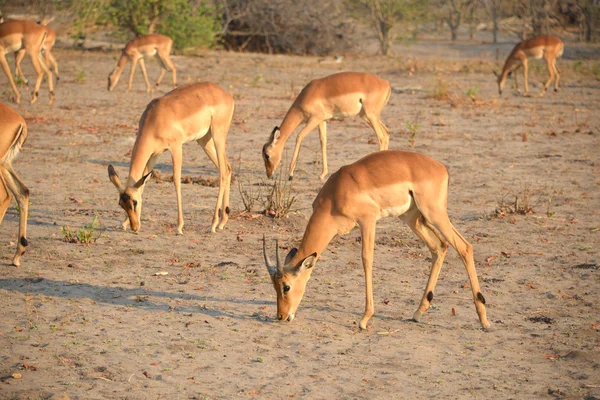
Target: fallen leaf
[17,375]
[551,356]
[453,312]
[160,273]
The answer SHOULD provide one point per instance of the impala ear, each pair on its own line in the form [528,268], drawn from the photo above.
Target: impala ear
[143,180]
[290,255]
[304,265]
[275,135]
[114,178]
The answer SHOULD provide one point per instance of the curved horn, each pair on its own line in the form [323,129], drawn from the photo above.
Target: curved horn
[270,267]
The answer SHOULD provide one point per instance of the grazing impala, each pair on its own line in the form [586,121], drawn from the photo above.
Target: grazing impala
[547,47]
[13,133]
[136,50]
[26,37]
[408,185]
[200,112]
[47,47]
[345,94]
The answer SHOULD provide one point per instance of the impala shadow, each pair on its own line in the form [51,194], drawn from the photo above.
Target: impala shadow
[132,297]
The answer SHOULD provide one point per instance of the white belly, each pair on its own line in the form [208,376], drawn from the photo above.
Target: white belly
[395,211]
[197,135]
[13,48]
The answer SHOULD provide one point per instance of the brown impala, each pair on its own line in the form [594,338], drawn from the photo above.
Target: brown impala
[200,112]
[13,133]
[547,47]
[345,94]
[136,50]
[394,183]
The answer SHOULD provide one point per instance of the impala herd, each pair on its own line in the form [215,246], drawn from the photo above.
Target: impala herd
[408,185]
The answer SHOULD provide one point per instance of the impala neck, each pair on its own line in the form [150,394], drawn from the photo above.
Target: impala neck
[139,159]
[321,229]
[120,66]
[292,119]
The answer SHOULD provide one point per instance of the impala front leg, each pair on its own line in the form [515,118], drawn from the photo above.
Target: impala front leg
[368,247]
[310,125]
[176,153]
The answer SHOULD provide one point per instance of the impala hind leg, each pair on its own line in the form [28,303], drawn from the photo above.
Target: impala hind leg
[552,75]
[166,60]
[41,68]
[143,68]
[323,139]
[215,150]
[438,248]
[382,132]
[557,72]
[11,181]
[442,223]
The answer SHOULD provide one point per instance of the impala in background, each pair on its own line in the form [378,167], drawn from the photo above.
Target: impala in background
[135,51]
[341,95]
[547,47]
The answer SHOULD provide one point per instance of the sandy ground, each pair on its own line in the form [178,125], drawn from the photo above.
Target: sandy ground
[94,322]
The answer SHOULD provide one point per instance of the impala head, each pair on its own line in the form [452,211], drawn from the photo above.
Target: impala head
[271,157]
[129,196]
[112,81]
[289,280]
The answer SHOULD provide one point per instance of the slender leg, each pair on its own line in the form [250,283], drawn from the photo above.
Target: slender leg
[368,246]
[21,194]
[40,68]
[167,60]
[51,61]
[382,132]
[6,70]
[310,125]
[551,72]
[323,139]
[222,208]
[525,78]
[176,153]
[438,248]
[514,72]
[440,221]
[143,68]
[163,69]
[557,72]
[18,71]
[134,62]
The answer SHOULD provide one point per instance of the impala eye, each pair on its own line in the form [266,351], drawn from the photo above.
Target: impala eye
[135,204]
[286,288]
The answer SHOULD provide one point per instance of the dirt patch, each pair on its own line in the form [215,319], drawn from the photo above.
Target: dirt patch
[156,315]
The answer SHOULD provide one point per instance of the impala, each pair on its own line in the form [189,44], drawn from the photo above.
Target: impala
[136,50]
[200,112]
[13,133]
[345,94]
[547,47]
[408,185]
[26,37]
[47,47]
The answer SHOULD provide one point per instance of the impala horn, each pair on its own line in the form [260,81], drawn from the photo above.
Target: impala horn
[272,269]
